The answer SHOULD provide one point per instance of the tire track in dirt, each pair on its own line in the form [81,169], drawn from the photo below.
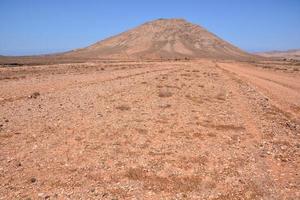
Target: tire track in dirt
[168,72]
[241,104]
[81,85]
[294,88]
[281,89]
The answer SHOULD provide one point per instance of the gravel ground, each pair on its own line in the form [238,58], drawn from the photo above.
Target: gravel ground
[149,130]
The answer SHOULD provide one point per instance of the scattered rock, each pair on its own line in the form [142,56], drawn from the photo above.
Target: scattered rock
[93,190]
[34,95]
[19,164]
[33,180]
[290,125]
[284,147]
[165,106]
[40,195]
[104,194]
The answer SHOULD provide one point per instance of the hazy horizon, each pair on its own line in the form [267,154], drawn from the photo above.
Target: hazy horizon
[34,27]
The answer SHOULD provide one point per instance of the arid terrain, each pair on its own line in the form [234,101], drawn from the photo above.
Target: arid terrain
[185,116]
[287,55]
[150,130]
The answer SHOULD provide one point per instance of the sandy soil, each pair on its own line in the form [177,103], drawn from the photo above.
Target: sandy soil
[283,88]
[149,130]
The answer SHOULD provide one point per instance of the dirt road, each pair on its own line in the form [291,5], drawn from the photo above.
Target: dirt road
[165,130]
[282,88]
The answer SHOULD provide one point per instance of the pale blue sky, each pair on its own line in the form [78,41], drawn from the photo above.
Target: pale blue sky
[46,26]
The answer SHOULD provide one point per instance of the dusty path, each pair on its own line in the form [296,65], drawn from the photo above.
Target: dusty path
[282,88]
[184,130]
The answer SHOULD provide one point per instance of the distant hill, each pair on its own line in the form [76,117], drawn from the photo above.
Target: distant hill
[163,38]
[290,54]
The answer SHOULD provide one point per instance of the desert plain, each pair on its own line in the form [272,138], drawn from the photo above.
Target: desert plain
[185,129]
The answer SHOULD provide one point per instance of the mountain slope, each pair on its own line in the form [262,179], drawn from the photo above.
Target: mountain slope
[163,38]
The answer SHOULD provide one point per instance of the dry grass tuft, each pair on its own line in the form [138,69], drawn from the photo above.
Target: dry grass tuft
[164,93]
[123,107]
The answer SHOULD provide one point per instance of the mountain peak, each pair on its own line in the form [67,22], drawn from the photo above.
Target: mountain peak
[169,20]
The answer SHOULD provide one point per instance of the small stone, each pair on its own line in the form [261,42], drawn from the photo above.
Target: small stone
[6,120]
[262,155]
[33,180]
[104,194]
[34,95]
[284,147]
[92,190]
[19,164]
[165,106]
[40,195]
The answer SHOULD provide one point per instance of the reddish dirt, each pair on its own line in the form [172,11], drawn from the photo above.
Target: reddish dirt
[149,130]
[283,88]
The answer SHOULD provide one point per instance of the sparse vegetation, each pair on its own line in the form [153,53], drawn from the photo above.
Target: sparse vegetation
[165,93]
[123,107]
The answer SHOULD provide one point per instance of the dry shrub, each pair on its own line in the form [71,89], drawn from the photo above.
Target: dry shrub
[123,107]
[164,94]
